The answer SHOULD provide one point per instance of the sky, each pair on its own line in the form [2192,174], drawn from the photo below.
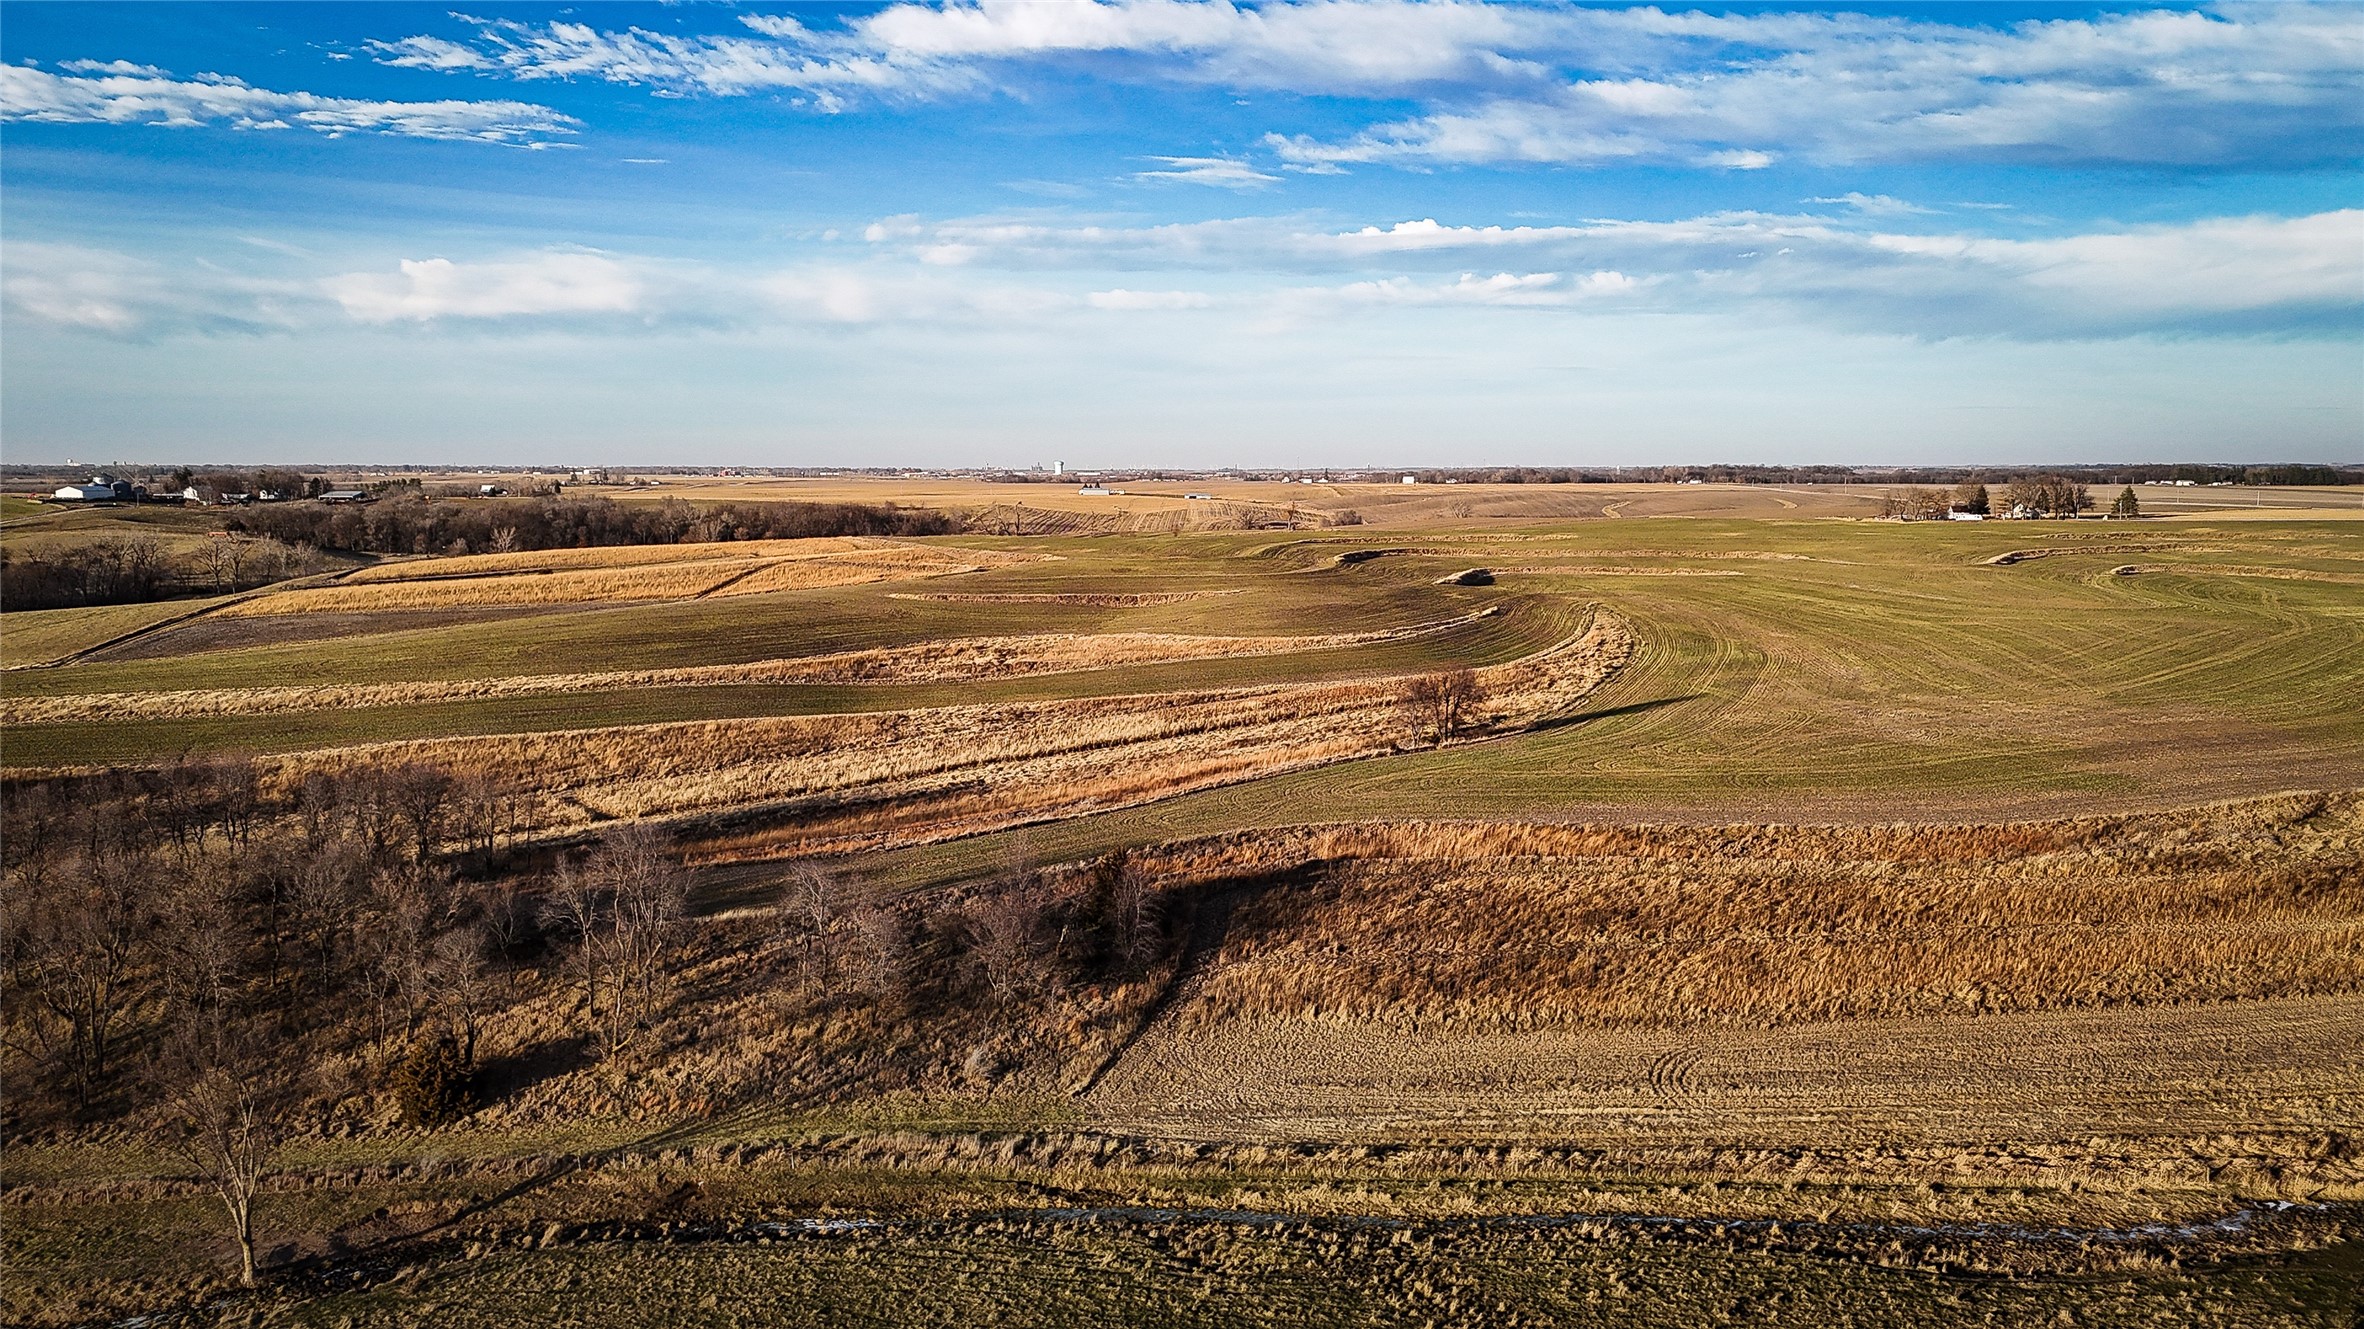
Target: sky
[1182,234]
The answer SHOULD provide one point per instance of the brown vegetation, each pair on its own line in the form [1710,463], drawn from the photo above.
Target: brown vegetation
[930,661]
[845,781]
[619,574]
[1534,926]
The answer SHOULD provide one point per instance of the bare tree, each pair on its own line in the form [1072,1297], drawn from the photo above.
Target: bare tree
[464,988]
[625,907]
[1133,910]
[421,794]
[227,1117]
[1437,705]
[203,939]
[77,954]
[885,949]
[576,905]
[809,917]
[1005,934]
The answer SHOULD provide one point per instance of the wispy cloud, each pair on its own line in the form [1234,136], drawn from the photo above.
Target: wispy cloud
[1874,205]
[422,290]
[1221,172]
[121,94]
[2279,84]
[2229,275]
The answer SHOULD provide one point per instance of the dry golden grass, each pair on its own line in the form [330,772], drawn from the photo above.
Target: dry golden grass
[656,581]
[625,573]
[2189,980]
[606,556]
[1520,926]
[933,661]
[844,781]
[1105,599]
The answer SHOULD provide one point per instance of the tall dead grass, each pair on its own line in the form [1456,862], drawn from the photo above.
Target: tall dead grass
[627,573]
[607,556]
[1522,926]
[924,662]
[842,781]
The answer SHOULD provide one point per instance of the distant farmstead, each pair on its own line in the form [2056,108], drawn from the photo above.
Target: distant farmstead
[346,496]
[101,489]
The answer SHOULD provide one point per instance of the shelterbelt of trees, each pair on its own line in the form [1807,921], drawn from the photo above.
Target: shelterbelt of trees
[272,542]
[409,523]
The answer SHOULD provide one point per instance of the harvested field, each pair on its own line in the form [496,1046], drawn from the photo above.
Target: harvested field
[545,579]
[608,557]
[1130,600]
[2178,979]
[656,581]
[1539,926]
[880,778]
[2170,1087]
[963,658]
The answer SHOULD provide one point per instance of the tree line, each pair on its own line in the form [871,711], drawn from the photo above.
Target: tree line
[409,522]
[135,569]
[225,965]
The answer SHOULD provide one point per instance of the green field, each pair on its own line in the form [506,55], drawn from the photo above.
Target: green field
[1783,669]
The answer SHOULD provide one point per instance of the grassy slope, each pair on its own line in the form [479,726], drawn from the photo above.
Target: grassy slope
[1876,661]
[38,636]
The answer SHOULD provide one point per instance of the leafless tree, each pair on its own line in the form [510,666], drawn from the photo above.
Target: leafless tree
[202,938]
[885,949]
[1133,909]
[227,1116]
[463,984]
[409,909]
[77,953]
[1437,705]
[625,906]
[421,794]
[809,918]
[1005,934]
[324,895]
[576,906]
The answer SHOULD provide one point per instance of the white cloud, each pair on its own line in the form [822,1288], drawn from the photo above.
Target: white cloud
[2279,276]
[2279,84]
[121,93]
[82,289]
[437,288]
[1531,290]
[1874,205]
[721,66]
[1221,172]
[1121,298]
[2229,274]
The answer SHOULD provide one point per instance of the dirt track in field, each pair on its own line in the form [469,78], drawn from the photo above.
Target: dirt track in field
[2026,1080]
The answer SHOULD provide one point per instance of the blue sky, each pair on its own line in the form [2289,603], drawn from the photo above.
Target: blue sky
[1156,232]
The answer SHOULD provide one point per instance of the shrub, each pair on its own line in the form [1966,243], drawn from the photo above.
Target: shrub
[431,1083]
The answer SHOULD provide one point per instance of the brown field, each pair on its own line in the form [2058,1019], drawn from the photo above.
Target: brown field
[618,574]
[2185,975]
[938,661]
[844,781]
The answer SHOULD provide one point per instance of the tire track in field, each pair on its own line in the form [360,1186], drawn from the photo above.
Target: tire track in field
[1671,1074]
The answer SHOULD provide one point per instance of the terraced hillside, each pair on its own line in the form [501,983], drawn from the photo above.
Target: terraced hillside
[1602,919]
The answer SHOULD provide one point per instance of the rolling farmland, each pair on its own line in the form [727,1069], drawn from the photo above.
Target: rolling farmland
[1717,908]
